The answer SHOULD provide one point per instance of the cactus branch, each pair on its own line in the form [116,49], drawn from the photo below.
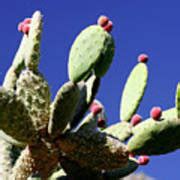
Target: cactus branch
[109,152]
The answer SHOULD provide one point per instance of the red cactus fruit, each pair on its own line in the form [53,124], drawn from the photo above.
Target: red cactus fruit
[95,109]
[143,160]
[101,123]
[96,106]
[156,113]
[95,102]
[27,21]
[136,119]
[103,21]
[25,28]
[109,26]
[20,26]
[143,58]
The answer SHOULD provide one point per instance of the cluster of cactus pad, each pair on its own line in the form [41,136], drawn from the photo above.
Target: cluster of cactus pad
[68,138]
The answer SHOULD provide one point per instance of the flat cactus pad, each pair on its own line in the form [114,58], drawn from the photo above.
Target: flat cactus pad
[156,137]
[63,107]
[133,91]
[92,47]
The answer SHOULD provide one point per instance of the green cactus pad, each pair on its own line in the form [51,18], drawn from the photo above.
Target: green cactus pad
[63,108]
[156,137]
[88,91]
[107,151]
[122,172]
[34,92]
[120,130]
[27,54]
[178,100]
[133,91]
[33,43]
[93,48]
[15,120]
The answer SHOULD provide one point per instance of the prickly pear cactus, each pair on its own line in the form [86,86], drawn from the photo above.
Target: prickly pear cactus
[91,56]
[68,137]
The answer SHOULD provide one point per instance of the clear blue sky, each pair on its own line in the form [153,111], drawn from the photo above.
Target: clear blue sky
[152,27]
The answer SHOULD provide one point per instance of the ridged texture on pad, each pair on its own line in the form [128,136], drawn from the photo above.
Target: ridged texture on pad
[156,137]
[33,90]
[178,100]
[122,130]
[63,108]
[93,47]
[15,119]
[107,152]
[34,37]
[88,91]
[122,172]
[133,91]
[5,159]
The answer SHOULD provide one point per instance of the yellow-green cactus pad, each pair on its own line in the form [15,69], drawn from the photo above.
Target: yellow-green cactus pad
[156,137]
[169,114]
[33,44]
[15,119]
[133,91]
[131,166]
[93,48]
[63,107]
[178,100]
[34,92]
